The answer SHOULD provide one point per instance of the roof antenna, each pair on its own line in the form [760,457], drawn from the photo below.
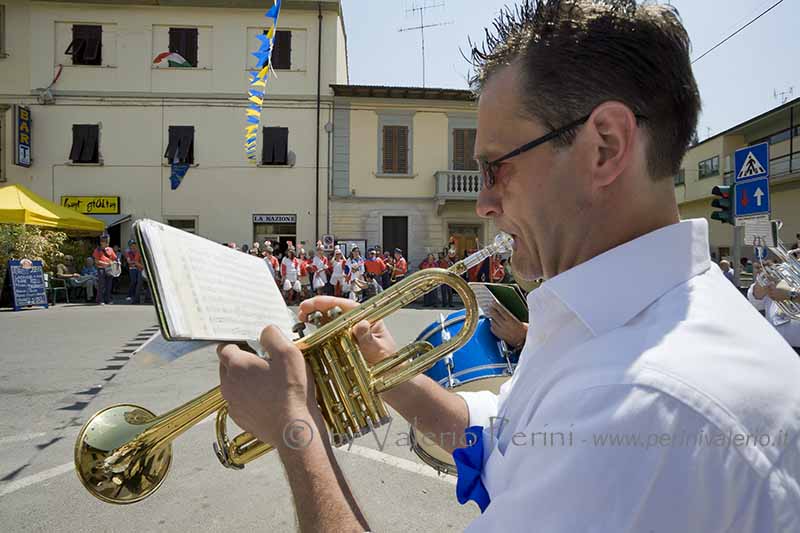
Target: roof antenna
[783,96]
[421,8]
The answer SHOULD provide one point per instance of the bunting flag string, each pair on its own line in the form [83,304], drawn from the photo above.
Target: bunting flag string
[258,83]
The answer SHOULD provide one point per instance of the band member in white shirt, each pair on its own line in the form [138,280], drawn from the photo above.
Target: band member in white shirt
[290,273]
[354,272]
[319,267]
[766,298]
[585,113]
[338,281]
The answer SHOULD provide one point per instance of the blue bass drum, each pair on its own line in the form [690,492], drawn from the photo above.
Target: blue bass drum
[484,363]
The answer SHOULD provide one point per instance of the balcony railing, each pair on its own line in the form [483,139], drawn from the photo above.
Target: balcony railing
[458,184]
[779,166]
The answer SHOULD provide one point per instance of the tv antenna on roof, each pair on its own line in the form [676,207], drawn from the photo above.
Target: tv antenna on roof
[783,96]
[421,10]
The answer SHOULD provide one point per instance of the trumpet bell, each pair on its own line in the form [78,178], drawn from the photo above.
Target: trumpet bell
[110,461]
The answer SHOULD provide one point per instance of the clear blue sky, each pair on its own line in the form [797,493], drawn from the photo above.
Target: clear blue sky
[736,80]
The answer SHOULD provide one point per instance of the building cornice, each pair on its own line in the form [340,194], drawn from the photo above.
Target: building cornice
[406,93]
[326,5]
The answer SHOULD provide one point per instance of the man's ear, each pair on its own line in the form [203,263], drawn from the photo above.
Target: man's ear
[613,128]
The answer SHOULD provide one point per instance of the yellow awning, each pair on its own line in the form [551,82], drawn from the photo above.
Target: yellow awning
[18,205]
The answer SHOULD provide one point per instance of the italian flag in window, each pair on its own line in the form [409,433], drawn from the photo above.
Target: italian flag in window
[173,59]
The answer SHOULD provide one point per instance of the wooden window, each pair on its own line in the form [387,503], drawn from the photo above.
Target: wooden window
[85,143]
[181,145]
[282,50]
[86,47]
[275,150]
[184,42]
[395,149]
[464,149]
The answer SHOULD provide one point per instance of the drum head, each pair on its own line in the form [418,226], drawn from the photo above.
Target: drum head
[429,451]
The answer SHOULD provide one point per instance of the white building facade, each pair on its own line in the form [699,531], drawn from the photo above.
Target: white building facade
[108,122]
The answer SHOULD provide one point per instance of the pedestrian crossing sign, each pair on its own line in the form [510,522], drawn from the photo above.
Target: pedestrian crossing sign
[751,162]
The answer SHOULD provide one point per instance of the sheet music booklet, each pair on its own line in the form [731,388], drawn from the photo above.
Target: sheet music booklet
[506,295]
[204,291]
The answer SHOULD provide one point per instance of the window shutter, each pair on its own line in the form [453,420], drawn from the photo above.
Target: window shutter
[275,149]
[463,149]
[181,145]
[388,150]
[77,143]
[174,40]
[458,149]
[86,44]
[90,135]
[191,37]
[282,51]
[267,147]
[402,150]
[281,146]
[469,151]
[172,147]
[185,150]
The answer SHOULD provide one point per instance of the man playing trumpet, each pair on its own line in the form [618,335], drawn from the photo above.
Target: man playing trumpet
[585,113]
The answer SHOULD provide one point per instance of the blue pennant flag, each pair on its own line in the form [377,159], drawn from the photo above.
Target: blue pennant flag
[254,92]
[253,120]
[261,56]
[265,40]
[274,10]
[179,171]
[469,463]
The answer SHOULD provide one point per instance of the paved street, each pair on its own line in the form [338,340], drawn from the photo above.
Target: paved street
[61,365]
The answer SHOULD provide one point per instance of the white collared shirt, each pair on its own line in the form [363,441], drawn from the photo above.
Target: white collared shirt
[640,365]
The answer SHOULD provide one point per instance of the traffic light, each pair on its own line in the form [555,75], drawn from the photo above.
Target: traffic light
[723,203]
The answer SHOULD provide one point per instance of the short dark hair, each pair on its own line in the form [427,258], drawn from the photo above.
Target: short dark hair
[576,54]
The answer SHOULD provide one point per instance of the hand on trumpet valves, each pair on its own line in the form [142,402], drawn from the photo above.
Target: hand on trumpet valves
[268,397]
[375,341]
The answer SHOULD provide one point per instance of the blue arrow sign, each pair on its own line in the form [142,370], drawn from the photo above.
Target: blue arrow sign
[751,162]
[752,198]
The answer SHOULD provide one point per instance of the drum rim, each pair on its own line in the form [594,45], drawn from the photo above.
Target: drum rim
[430,460]
[422,453]
[490,366]
[438,326]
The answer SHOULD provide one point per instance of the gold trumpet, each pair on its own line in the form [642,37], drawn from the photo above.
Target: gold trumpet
[123,453]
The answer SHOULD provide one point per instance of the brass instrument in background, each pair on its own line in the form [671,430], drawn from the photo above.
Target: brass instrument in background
[123,453]
[785,273]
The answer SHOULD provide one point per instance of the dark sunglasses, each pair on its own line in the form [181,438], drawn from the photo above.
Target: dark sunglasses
[489,168]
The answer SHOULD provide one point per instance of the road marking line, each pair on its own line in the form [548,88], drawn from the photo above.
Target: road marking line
[35,478]
[367,453]
[398,462]
[21,438]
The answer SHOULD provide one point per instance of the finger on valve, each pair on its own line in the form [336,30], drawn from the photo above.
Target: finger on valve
[323,304]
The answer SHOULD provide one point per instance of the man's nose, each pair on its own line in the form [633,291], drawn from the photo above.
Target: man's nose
[488,204]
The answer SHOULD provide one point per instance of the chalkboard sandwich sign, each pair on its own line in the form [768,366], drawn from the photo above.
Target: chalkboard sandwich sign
[27,283]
